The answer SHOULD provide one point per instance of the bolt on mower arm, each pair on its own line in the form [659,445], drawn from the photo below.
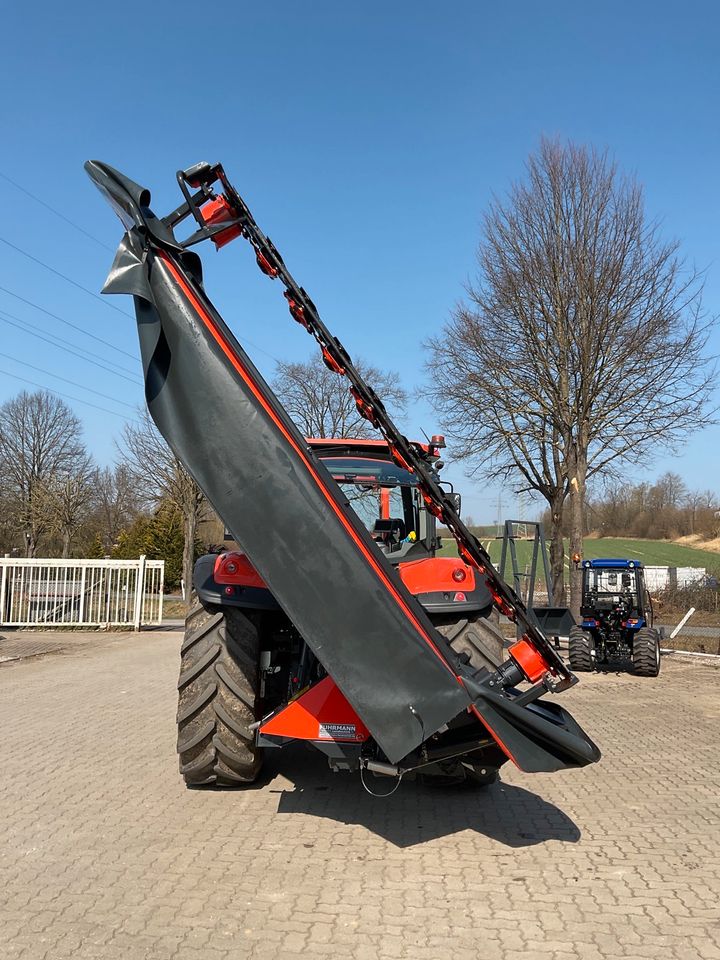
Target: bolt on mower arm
[207,400]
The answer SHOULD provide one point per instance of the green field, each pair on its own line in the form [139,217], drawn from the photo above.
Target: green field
[653,553]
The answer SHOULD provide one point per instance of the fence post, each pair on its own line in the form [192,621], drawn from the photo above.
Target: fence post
[139,591]
[83,587]
[3,589]
[161,588]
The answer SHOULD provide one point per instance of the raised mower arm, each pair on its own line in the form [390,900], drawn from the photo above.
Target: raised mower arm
[225,424]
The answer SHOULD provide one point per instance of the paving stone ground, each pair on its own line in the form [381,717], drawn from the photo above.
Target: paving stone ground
[23,644]
[104,855]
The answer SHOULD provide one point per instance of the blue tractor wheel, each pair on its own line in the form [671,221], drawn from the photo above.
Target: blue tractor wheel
[646,652]
[582,648]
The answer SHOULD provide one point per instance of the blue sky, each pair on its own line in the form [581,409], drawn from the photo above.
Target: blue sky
[367,139]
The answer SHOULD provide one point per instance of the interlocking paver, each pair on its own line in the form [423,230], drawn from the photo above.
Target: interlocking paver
[106,855]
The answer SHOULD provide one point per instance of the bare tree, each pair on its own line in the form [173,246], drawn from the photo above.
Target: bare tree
[117,503]
[581,347]
[320,403]
[40,441]
[695,501]
[71,496]
[8,533]
[158,475]
[670,490]
[664,509]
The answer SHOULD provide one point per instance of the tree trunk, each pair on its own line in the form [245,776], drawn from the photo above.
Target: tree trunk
[30,544]
[556,589]
[578,473]
[189,550]
[66,544]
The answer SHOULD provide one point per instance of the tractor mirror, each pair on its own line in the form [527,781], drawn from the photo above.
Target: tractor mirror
[456,500]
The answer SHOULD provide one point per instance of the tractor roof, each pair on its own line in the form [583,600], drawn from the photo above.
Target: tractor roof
[612,563]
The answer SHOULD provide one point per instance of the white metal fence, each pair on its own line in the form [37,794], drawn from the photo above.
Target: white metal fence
[81,593]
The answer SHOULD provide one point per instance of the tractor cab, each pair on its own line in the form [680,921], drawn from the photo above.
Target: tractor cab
[613,587]
[387,500]
[385,497]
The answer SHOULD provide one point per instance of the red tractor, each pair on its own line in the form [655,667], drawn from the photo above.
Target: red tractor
[349,636]
[276,664]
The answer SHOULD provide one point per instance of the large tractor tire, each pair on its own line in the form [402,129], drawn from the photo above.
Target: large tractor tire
[581,650]
[217,694]
[646,652]
[479,641]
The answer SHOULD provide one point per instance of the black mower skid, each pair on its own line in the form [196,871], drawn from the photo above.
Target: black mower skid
[277,499]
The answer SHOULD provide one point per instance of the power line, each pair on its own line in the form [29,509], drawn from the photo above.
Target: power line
[2,240]
[53,210]
[66,396]
[54,341]
[64,276]
[72,383]
[74,282]
[69,323]
[249,343]
[86,333]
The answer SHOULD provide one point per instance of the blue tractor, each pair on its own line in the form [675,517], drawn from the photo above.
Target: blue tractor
[617,618]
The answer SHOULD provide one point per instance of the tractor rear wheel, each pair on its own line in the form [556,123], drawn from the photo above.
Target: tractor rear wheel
[581,650]
[646,652]
[478,641]
[217,694]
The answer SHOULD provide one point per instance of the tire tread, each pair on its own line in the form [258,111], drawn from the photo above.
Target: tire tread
[645,652]
[217,695]
[478,641]
[580,650]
